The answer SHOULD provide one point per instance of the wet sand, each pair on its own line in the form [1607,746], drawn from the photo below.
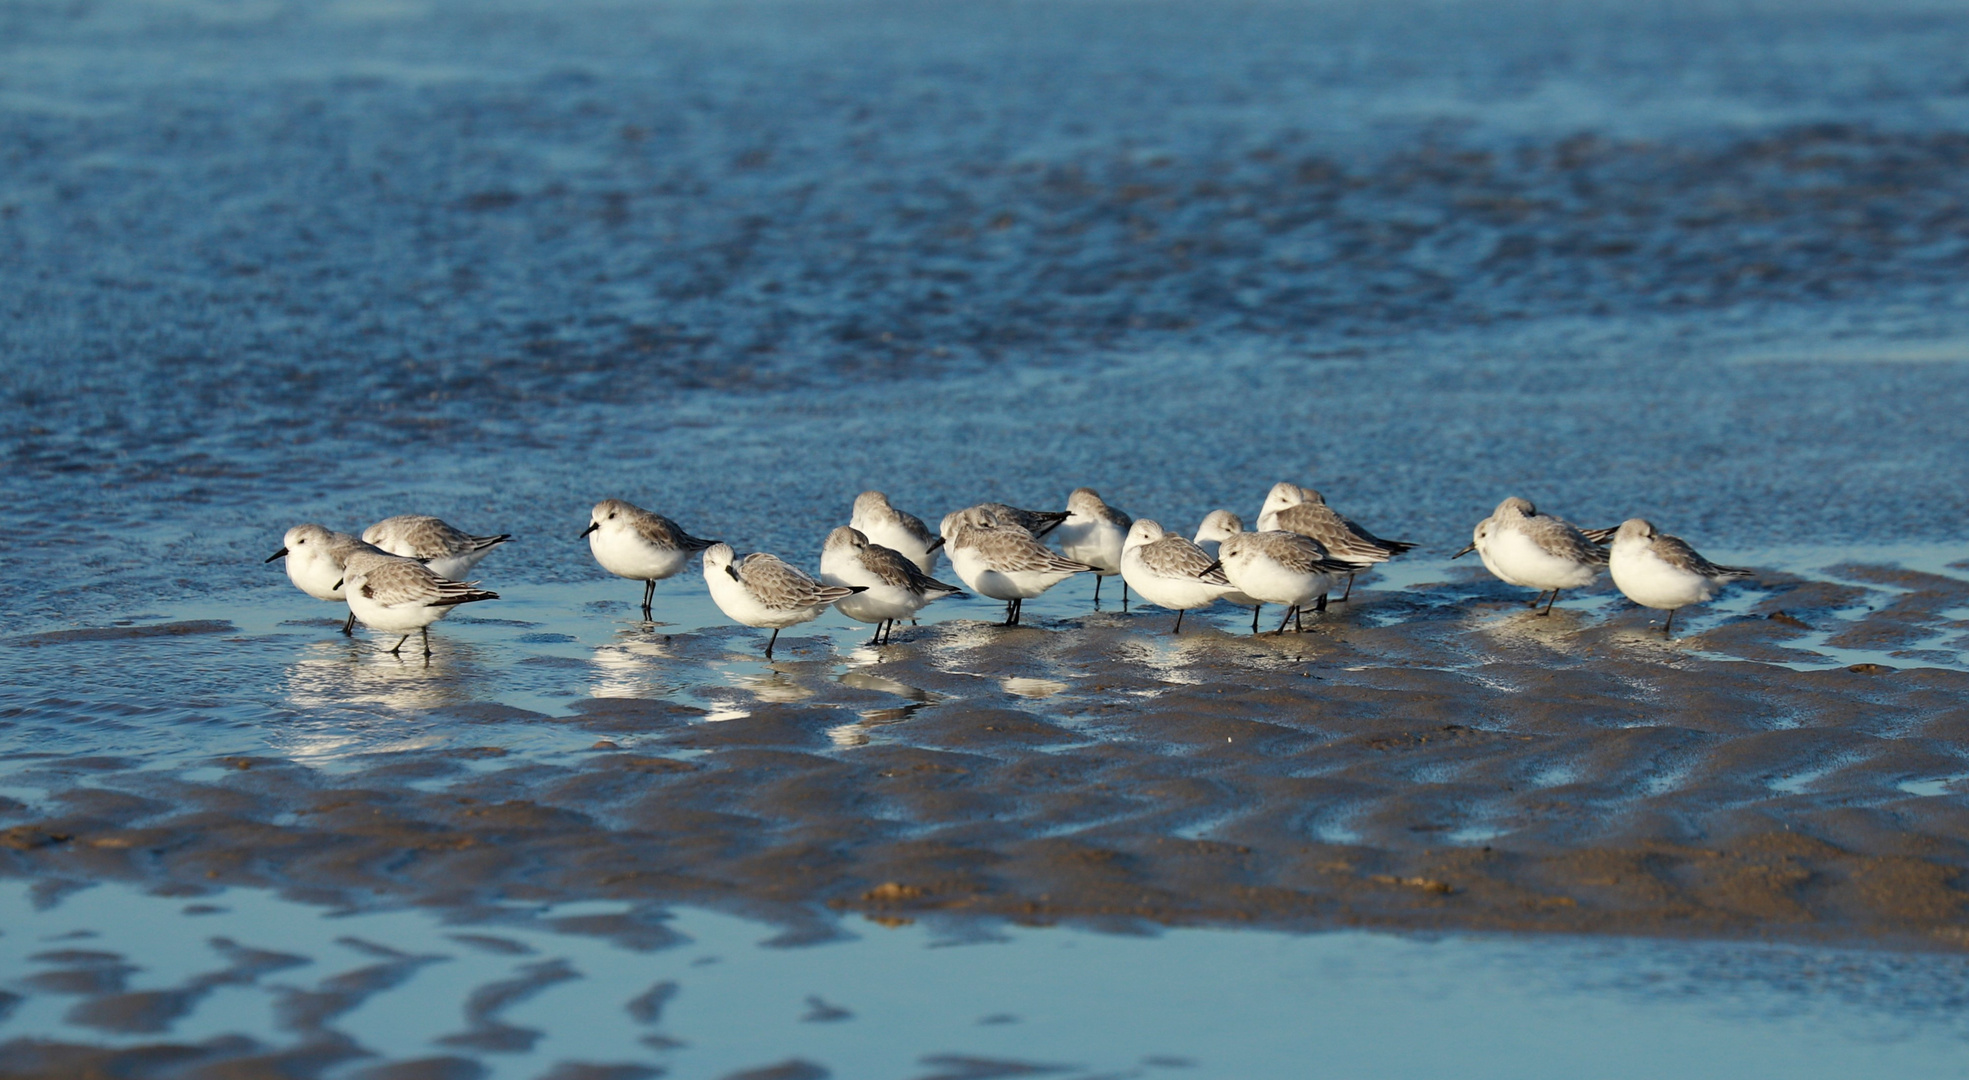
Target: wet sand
[1437,757]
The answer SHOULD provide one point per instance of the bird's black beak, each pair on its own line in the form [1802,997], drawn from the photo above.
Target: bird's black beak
[337,585]
[732,570]
[1217,564]
[1464,552]
[276,554]
[935,544]
[592,526]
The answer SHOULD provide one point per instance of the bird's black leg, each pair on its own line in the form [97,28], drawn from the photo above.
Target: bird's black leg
[1254,618]
[1321,606]
[771,641]
[427,642]
[1097,592]
[1536,599]
[1179,622]
[1124,594]
[398,651]
[1549,603]
[1289,613]
[349,628]
[1670,624]
[1349,592]
[1297,626]
[649,593]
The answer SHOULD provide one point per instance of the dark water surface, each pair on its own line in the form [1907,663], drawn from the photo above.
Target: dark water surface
[265,263]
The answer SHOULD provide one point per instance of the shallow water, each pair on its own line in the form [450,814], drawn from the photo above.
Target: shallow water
[266,264]
[525,991]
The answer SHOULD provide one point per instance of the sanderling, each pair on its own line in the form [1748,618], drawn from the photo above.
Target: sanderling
[895,587]
[631,542]
[1094,533]
[1664,572]
[1215,527]
[397,595]
[315,560]
[888,527]
[1304,511]
[1537,551]
[1280,567]
[1169,571]
[1002,560]
[449,552]
[762,590]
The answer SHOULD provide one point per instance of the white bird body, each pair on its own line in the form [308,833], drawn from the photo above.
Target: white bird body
[1002,560]
[397,595]
[1521,546]
[894,587]
[1093,532]
[629,541]
[1169,571]
[764,590]
[1278,567]
[1663,572]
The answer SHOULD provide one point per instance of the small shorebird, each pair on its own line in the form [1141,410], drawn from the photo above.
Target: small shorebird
[1663,572]
[895,588]
[1215,527]
[1094,533]
[398,595]
[764,591]
[1169,571]
[1002,560]
[889,527]
[1537,551]
[315,558]
[1304,511]
[1279,567]
[449,552]
[631,542]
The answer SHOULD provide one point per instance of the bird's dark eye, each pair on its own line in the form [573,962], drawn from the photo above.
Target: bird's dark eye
[611,517]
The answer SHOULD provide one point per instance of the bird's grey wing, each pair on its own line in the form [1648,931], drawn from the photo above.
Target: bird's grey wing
[783,587]
[1600,536]
[663,532]
[1559,537]
[1173,556]
[1011,552]
[1676,552]
[401,581]
[914,526]
[892,568]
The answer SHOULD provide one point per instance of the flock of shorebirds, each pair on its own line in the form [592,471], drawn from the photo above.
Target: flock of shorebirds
[404,573]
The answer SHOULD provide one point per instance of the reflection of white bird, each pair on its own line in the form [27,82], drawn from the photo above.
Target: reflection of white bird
[1663,572]
[314,562]
[1212,531]
[1169,571]
[449,552]
[1094,533]
[762,590]
[399,595]
[631,542]
[888,527]
[1304,511]
[895,588]
[1001,560]
[1279,567]
[1537,551]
